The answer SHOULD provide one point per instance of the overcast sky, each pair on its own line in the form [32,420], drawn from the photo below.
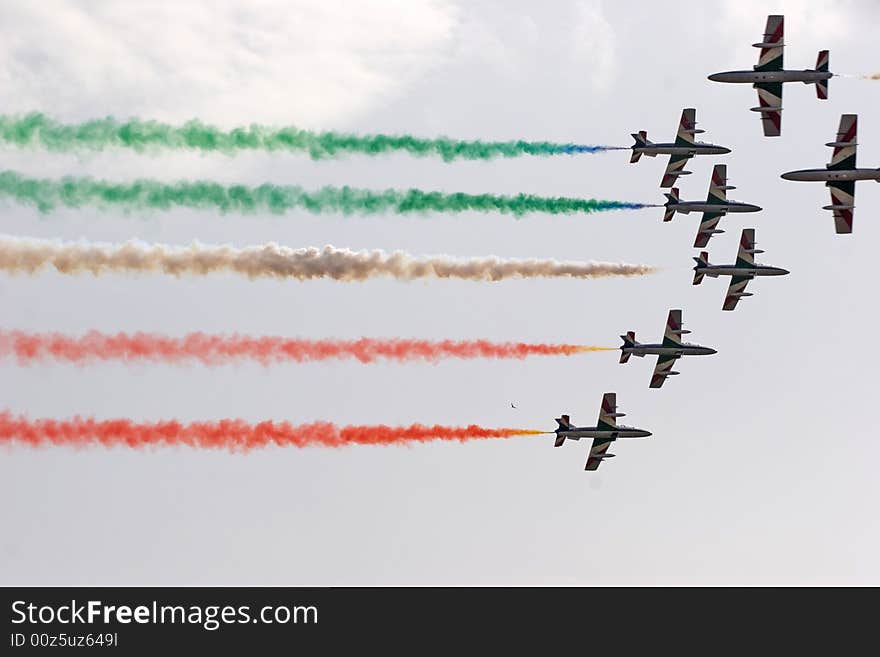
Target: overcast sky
[762,466]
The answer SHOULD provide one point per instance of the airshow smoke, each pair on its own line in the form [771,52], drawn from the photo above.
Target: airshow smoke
[231,434]
[37,129]
[150,195]
[29,256]
[215,350]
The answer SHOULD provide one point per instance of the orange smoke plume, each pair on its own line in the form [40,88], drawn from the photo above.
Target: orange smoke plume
[220,349]
[233,435]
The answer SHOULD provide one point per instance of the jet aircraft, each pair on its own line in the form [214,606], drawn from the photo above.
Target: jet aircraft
[840,175]
[603,434]
[768,76]
[667,352]
[742,272]
[680,151]
[713,208]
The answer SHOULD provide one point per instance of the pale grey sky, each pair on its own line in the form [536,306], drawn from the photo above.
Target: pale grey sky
[761,469]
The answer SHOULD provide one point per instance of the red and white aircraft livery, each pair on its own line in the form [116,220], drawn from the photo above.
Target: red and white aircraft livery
[768,76]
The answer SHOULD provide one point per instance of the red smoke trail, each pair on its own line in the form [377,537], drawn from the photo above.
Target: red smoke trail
[219,349]
[234,435]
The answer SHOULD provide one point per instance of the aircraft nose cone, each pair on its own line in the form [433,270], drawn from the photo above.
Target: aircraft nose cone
[786,176]
[784,272]
[712,351]
[724,149]
[713,77]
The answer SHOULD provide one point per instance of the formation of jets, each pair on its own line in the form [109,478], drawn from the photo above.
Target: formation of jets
[839,175]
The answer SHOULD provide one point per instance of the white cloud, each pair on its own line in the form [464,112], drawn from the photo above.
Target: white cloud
[594,43]
[813,21]
[311,62]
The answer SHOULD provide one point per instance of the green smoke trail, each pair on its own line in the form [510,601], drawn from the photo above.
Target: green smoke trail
[71,192]
[36,129]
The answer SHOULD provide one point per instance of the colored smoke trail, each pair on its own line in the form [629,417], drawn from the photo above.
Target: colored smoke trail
[859,76]
[231,434]
[28,256]
[37,129]
[219,349]
[47,194]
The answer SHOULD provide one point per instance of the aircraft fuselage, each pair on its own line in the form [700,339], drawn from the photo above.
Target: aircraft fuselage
[736,270]
[699,148]
[685,349]
[721,208]
[806,76]
[830,175]
[621,431]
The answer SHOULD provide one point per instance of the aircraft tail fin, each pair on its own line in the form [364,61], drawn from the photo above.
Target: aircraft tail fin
[672,197]
[564,424]
[629,340]
[702,261]
[641,138]
[822,85]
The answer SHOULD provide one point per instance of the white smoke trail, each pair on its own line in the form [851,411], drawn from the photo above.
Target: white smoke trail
[28,256]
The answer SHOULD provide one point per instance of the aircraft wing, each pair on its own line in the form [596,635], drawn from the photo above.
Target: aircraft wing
[673,331]
[608,412]
[734,291]
[718,185]
[661,370]
[843,195]
[770,107]
[717,194]
[745,255]
[597,451]
[687,127]
[673,169]
[845,146]
[771,45]
[707,227]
